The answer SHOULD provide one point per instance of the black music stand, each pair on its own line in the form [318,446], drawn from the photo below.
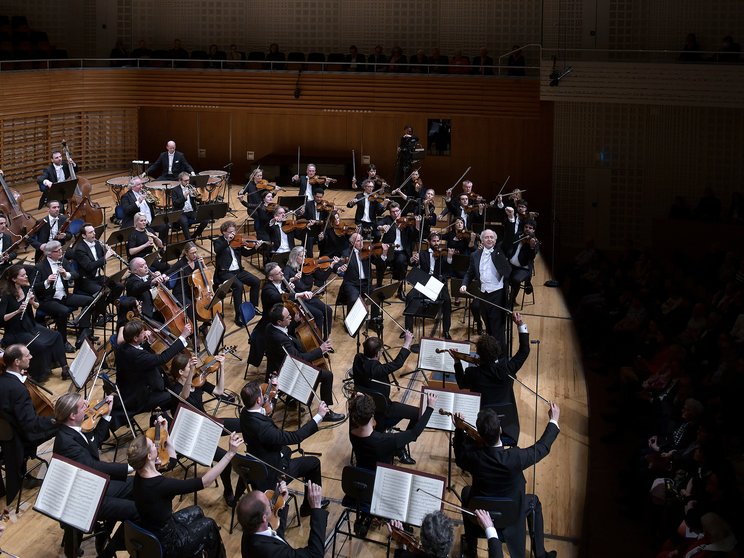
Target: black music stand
[221,292]
[119,236]
[211,212]
[379,296]
[167,218]
[96,308]
[62,191]
[199,180]
[292,202]
[173,251]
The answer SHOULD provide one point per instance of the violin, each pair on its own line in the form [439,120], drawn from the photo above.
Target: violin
[326,205]
[269,391]
[464,234]
[276,500]
[406,221]
[412,542]
[373,250]
[471,208]
[94,414]
[295,225]
[462,424]
[379,198]
[457,355]
[159,436]
[266,185]
[315,180]
[323,262]
[209,367]
[343,230]
[239,241]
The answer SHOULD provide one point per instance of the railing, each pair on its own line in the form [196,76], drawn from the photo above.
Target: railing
[645,56]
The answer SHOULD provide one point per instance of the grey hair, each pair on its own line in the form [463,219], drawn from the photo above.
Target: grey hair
[51,246]
[437,534]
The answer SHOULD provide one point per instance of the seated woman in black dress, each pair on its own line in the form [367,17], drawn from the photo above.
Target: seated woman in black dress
[17,312]
[301,282]
[186,532]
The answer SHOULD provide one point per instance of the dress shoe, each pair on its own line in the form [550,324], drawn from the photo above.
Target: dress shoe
[101,541]
[32,482]
[226,398]
[405,457]
[551,554]
[65,372]
[69,348]
[478,329]
[447,335]
[239,323]
[229,499]
[330,416]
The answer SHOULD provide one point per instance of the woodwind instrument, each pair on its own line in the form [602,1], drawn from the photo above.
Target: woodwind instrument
[29,294]
[106,247]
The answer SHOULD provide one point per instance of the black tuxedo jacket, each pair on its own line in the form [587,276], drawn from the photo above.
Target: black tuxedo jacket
[50,174]
[352,269]
[178,200]
[360,61]
[41,290]
[87,264]
[71,444]
[408,235]
[140,290]
[375,209]
[130,208]
[7,242]
[364,370]
[223,254]
[277,341]
[441,267]
[261,546]
[276,237]
[138,371]
[42,235]
[304,185]
[498,259]
[180,164]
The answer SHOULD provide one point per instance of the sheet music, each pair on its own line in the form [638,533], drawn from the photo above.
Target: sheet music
[291,382]
[214,335]
[420,503]
[83,364]
[429,359]
[391,493]
[195,436]
[432,288]
[453,402]
[355,317]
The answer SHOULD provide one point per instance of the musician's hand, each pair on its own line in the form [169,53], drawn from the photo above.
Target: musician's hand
[236,440]
[297,276]
[193,362]
[517,318]
[509,212]
[431,399]
[321,236]
[322,408]
[314,495]
[415,258]
[162,423]
[187,330]
[484,519]
[554,413]
[407,338]
[283,490]
[220,358]
[47,183]
[108,254]
[342,268]
[60,236]
[326,346]
[295,178]
[307,295]
[460,416]
[451,252]
[463,289]
[110,401]
[52,278]
[394,524]
[354,183]
[533,242]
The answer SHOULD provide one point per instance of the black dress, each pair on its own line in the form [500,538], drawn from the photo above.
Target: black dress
[183,533]
[48,350]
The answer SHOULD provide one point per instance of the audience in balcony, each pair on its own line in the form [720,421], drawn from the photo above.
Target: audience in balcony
[690,50]
[516,62]
[355,61]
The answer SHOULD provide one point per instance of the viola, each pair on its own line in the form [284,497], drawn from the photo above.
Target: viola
[295,225]
[239,241]
[464,234]
[159,436]
[462,424]
[412,542]
[266,185]
[94,414]
[315,180]
[342,230]
[276,500]
[202,280]
[373,250]
[323,262]
[406,221]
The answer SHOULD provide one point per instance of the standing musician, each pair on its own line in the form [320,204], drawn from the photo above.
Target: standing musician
[142,242]
[379,182]
[436,265]
[281,242]
[134,202]
[138,372]
[367,212]
[307,182]
[498,472]
[185,198]
[401,238]
[262,215]
[55,172]
[300,282]
[91,257]
[6,260]
[17,305]
[358,273]
[460,239]
[170,162]
[83,447]
[17,408]
[269,443]
[515,220]
[423,206]
[140,282]
[522,253]
[368,372]
[280,337]
[490,267]
[228,263]
[249,196]
[52,291]
[49,229]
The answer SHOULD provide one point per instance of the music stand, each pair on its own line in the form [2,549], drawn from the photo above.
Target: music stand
[166,218]
[199,180]
[221,292]
[379,296]
[62,191]
[211,211]
[94,308]
[292,202]
[119,236]
[173,251]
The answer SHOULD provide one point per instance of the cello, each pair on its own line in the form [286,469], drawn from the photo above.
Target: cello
[91,212]
[306,331]
[201,279]
[11,202]
[173,313]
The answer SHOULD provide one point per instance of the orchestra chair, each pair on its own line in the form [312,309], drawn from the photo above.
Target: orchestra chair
[254,473]
[357,485]
[503,511]
[315,61]
[340,301]
[507,413]
[524,292]
[14,462]
[141,543]
[247,313]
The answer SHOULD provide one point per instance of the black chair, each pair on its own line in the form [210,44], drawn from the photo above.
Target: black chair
[254,473]
[141,543]
[315,61]
[358,485]
[338,60]
[256,60]
[295,61]
[503,511]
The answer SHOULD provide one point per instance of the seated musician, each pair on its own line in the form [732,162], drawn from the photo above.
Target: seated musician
[371,375]
[134,202]
[249,196]
[228,263]
[401,239]
[7,256]
[138,372]
[186,532]
[436,266]
[50,229]
[140,282]
[184,198]
[142,242]
[183,370]
[497,472]
[460,239]
[436,539]
[17,408]
[335,242]
[281,242]
[53,173]
[91,258]
[367,212]
[83,447]
[52,291]
[373,445]
[300,282]
[269,443]
[182,270]
[521,254]
[316,217]
[358,273]
[282,340]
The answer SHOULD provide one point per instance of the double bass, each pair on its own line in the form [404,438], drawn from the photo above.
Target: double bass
[80,202]
[11,202]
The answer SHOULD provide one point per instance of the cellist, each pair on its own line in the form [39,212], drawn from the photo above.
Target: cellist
[182,270]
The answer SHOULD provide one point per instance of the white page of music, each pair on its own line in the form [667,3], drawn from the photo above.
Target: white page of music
[429,359]
[391,493]
[193,437]
[421,503]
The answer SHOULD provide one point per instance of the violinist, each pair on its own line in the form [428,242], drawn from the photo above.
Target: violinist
[281,242]
[437,537]
[17,306]
[373,445]
[91,258]
[16,406]
[186,532]
[6,260]
[260,541]
[498,472]
[307,182]
[55,172]
[336,240]
[428,211]
[515,219]
[280,337]
[401,238]
[436,262]
[358,273]
[138,372]
[463,209]
[142,241]
[51,289]
[262,215]
[249,196]
[228,263]
[522,253]
[83,448]
[184,197]
[181,372]
[460,239]
[367,212]
[50,229]
[140,282]
[378,181]
[301,283]
[134,202]
[316,214]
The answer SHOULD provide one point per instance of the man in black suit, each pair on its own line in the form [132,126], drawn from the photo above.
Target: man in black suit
[135,201]
[49,229]
[171,163]
[182,199]
[280,341]
[317,218]
[358,273]
[82,447]
[521,254]
[6,260]
[140,281]
[281,242]
[52,291]
[228,264]
[354,60]
[489,266]
[269,443]
[367,212]
[91,257]
[482,64]
[138,372]
[17,408]
[306,184]
[401,239]
[498,472]
[259,541]
[55,172]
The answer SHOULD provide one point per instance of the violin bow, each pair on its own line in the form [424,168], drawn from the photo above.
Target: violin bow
[463,510]
[467,170]
[386,312]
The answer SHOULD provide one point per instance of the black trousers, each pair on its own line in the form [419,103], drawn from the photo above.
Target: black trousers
[186,220]
[60,310]
[242,277]
[494,317]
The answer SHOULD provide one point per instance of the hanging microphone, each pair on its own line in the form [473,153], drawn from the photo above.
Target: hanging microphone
[535,342]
